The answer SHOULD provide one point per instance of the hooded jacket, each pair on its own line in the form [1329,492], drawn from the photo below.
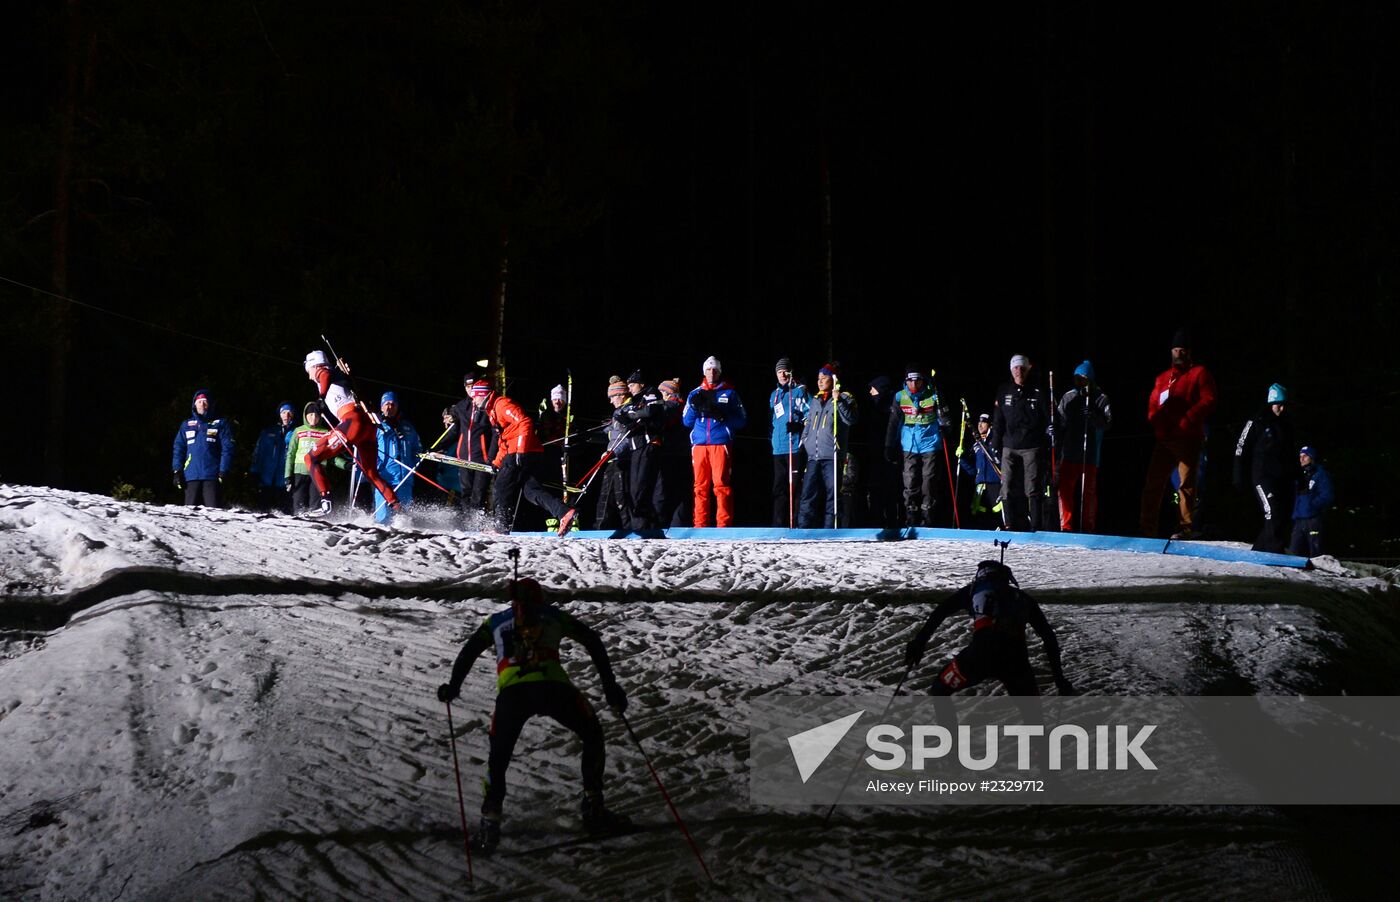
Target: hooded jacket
[302,440]
[270,453]
[203,446]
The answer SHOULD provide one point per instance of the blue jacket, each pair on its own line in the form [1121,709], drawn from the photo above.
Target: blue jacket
[203,446]
[788,403]
[914,422]
[270,454]
[977,464]
[723,414]
[1314,494]
[399,447]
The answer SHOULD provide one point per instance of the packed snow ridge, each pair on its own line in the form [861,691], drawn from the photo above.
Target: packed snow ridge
[219,704]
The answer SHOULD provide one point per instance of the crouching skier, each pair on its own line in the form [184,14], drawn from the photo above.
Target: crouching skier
[530,681]
[354,429]
[1000,613]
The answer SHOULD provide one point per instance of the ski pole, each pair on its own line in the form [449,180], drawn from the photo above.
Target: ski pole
[568,428]
[947,465]
[962,440]
[1084,462]
[856,762]
[461,802]
[555,441]
[665,795]
[835,455]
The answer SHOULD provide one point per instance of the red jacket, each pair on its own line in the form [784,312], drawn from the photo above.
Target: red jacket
[1189,399]
[517,430]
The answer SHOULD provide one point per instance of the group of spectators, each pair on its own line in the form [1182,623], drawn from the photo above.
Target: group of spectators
[667,456]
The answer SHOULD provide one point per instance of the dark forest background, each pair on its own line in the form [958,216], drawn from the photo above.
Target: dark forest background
[216,185]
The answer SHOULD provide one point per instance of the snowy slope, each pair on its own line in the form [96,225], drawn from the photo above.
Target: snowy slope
[199,704]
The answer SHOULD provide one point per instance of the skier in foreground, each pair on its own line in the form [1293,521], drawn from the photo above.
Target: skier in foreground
[1000,613]
[529,681]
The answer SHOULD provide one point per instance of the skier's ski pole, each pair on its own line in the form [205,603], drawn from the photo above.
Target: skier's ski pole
[568,428]
[666,795]
[461,802]
[856,762]
[962,440]
[555,441]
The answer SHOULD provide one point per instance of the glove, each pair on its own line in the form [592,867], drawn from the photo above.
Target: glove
[617,699]
[178,479]
[945,418]
[1065,686]
[912,656]
[795,426]
[446,693]
[892,455]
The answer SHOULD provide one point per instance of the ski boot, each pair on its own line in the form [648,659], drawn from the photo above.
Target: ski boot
[597,819]
[488,834]
[566,521]
[323,510]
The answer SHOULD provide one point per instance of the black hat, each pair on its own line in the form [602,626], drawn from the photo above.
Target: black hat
[637,377]
[783,364]
[1182,338]
[470,377]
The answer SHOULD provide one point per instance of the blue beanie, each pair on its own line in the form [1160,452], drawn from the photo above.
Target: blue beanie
[287,407]
[387,397]
[1308,450]
[1085,369]
[1277,394]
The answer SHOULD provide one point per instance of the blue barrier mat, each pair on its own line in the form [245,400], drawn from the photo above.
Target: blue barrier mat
[1134,544]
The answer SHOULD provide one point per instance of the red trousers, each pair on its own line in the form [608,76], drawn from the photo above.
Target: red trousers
[358,433]
[1070,476]
[712,471]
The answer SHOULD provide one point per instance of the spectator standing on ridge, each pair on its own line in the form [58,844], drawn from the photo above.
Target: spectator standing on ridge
[826,438]
[713,412]
[914,440]
[1314,497]
[1085,415]
[1022,423]
[788,407]
[202,453]
[399,447]
[270,461]
[675,495]
[1264,468]
[1177,407]
[297,475]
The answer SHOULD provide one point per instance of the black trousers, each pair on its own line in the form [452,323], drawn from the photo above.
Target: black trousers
[203,491]
[614,501]
[993,654]
[475,484]
[518,478]
[304,494]
[563,703]
[643,472]
[1276,504]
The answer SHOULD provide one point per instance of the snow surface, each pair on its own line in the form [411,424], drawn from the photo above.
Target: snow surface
[203,704]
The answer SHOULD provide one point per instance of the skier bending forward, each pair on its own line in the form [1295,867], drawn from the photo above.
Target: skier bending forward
[530,681]
[1000,613]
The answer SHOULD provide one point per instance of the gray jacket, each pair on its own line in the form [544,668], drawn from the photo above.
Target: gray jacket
[817,437]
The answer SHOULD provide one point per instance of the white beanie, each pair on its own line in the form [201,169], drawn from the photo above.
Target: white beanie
[556,393]
[711,363]
[1020,360]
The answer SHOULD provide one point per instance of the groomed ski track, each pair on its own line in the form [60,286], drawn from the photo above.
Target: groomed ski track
[217,704]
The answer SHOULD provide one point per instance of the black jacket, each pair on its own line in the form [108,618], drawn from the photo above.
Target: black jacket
[1022,416]
[1266,450]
